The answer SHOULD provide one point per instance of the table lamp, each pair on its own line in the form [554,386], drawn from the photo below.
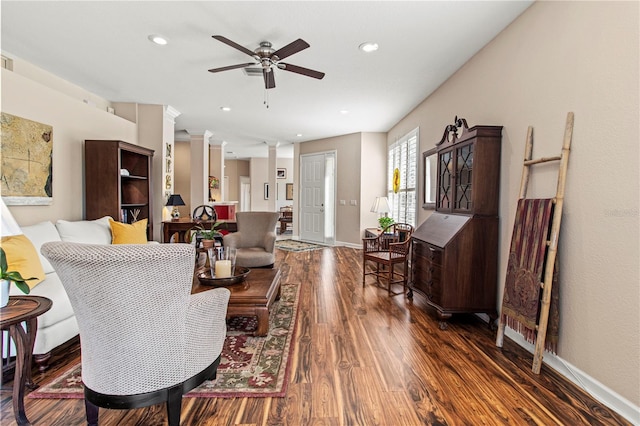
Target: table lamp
[174,201]
[9,225]
[381,205]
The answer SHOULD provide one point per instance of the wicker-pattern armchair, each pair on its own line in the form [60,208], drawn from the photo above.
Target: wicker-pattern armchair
[145,339]
[389,248]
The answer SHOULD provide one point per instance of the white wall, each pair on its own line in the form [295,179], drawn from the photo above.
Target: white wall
[559,57]
[287,164]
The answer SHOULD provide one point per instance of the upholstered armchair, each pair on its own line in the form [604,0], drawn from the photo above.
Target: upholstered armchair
[145,339]
[388,249]
[255,240]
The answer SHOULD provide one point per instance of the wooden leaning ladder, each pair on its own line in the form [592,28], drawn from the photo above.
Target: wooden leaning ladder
[552,243]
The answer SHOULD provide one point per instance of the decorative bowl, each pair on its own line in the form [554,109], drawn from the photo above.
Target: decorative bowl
[204,276]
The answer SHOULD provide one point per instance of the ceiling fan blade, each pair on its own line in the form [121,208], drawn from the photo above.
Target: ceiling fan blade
[301,70]
[233,44]
[291,48]
[269,79]
[231,67]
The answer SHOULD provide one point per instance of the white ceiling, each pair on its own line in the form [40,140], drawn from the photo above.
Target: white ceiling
[102,46]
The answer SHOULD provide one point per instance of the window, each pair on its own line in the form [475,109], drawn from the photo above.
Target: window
[403,155]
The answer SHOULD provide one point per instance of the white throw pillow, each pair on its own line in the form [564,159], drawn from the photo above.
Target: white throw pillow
[39,234]
[85,231]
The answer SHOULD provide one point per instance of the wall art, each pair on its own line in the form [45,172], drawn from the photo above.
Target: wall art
[26,159]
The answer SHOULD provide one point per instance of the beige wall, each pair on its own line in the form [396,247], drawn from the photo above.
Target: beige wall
[259,170]
[182,175]
[73,121]
[151,135]
[373,176]
[234,169]
[559,57]
[216,169]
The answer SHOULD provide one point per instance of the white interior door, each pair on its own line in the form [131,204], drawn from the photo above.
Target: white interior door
[245,194]
[316,184]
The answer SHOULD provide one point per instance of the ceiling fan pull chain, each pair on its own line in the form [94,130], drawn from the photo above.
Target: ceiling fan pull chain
[266,98]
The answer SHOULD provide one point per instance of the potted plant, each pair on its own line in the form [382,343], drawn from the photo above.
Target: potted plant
[385,222]
[7,277]
[207,235]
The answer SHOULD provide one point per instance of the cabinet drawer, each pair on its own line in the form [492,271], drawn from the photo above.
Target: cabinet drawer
[435,285]
[431,253]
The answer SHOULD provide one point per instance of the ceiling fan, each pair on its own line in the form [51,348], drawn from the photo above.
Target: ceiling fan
[268,58]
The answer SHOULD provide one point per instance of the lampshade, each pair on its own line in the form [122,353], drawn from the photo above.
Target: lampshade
[175,200]
[381,205]
[9,224]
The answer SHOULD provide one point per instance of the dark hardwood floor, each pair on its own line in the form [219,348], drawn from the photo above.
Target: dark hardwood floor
[363,358]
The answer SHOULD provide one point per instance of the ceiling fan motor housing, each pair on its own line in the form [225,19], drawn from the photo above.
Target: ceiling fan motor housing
[264,54]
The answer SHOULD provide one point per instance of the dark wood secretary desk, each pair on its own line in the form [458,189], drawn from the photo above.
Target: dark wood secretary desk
[454,260]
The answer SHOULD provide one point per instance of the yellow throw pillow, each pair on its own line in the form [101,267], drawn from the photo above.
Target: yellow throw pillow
[23,257]
[123,233]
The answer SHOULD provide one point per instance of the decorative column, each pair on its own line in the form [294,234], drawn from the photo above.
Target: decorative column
[199,169]
[167,159]
[272,165]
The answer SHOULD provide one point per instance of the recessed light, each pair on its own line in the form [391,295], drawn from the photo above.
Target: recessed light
[299,135]
[344,111]
[225,109]
[158,39]
[368,47]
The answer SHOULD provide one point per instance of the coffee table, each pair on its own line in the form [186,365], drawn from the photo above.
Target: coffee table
[252,297]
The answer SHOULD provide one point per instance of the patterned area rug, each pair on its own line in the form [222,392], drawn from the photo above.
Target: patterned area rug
[295,245]
[250,366]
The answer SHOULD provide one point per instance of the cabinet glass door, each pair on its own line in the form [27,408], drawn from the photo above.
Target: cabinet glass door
[464,171]
[445,189]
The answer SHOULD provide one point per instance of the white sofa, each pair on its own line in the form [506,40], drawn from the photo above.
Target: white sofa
[58,325]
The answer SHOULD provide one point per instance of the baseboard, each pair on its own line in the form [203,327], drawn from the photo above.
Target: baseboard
[581,379]
[337,243]
[350,245]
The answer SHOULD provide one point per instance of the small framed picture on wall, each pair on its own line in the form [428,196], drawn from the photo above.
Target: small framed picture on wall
[281,173]
[289,191]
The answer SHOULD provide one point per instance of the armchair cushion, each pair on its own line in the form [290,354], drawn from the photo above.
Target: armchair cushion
[39,234]
[22,257]
[85,231]
[124,233]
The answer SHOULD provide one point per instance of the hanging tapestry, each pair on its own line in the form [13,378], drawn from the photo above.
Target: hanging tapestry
[525,272]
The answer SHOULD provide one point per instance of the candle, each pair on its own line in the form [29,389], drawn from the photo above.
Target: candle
[223,269]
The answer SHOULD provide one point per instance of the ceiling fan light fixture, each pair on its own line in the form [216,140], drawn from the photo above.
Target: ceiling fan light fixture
[368,47]
[158,39]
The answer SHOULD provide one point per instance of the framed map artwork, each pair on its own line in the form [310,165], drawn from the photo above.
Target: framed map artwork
[26,154]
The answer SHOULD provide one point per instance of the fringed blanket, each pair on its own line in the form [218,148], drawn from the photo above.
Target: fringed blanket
[525,272]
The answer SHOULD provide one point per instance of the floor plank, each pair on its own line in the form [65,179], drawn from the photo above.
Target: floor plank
[363,358]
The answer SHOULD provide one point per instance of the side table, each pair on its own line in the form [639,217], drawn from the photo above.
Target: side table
[22,309]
